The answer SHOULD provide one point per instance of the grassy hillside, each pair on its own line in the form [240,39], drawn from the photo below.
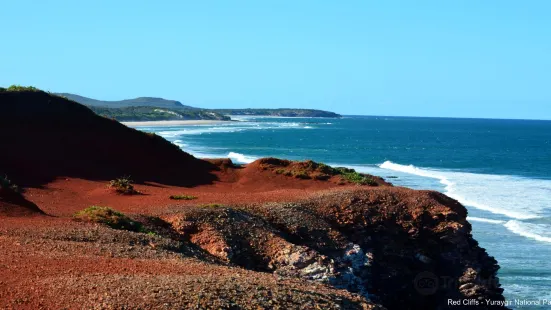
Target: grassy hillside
[178,106]
[279,112]
[136,102]
[157,114]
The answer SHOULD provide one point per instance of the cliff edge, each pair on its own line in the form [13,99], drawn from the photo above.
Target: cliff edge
[198,233]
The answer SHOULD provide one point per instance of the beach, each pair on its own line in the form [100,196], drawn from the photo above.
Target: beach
[174,123]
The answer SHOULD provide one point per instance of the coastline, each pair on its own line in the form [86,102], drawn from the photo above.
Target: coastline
[173,123]
[498,224]
[274,218]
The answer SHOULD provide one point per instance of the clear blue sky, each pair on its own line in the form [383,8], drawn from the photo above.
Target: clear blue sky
[488,58]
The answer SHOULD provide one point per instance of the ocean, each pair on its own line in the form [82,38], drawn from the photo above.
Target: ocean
[499,169]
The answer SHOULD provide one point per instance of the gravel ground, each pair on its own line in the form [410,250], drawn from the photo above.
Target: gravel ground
[57,263]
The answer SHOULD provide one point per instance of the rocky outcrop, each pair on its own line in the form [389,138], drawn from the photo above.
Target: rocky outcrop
[401,248]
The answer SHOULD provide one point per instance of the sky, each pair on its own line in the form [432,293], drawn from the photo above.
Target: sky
[489,59]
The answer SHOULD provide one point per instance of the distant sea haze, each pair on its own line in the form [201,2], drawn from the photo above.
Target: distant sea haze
[499,169]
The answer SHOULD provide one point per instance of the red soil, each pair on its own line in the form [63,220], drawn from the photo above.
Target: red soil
[14,204]
[41,265]
[64,196]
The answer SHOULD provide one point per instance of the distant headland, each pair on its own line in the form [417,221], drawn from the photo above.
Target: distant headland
[159,109]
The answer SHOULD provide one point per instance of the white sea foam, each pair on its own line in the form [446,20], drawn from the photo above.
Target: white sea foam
[197,131]
[225,128]
[240,158]
[493,193]
[484,220]
[518,198]
[526,201]
[538,232]
[180,143]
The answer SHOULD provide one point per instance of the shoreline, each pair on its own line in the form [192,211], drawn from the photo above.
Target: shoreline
[174,123]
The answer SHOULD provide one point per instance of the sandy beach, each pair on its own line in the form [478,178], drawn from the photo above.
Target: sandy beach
[173,123]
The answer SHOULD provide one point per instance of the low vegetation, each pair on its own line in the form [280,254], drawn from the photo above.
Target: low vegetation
[143,113]
[354,177]
[279,112]
[6,184]
[15,88]
[182,197]
[312,170]
[212,205]
[109,217]
[123,186]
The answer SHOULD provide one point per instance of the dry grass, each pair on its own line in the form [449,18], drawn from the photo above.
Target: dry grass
[109,217]
[123,186]
[182,197]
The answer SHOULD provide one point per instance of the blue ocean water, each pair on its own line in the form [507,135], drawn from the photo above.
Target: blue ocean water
[499,169]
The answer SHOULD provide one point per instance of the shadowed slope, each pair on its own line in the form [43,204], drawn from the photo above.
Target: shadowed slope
[45,136]
[13,204]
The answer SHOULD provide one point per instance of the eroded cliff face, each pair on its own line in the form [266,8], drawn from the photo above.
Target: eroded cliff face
[401,248]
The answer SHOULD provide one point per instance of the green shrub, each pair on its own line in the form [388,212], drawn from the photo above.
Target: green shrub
[323,168]
[354,177]
[6,184]
[109,217]
[22,88]
[124,186]
[182,197]
[310,169]
[211,205]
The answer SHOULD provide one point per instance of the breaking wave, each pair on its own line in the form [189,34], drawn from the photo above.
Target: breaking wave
[522,200]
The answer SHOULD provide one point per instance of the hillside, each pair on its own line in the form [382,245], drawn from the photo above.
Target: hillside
[187,111]
[74,141]
[143,113]
[136,102]
[279,112]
